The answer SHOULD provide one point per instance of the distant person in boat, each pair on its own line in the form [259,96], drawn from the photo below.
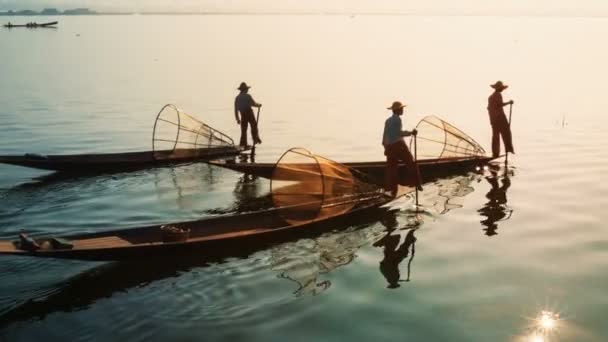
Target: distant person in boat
[243,104]
[498,120]
[396,150]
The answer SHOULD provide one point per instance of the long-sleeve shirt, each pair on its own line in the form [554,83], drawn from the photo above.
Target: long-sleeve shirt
[243,101]
[393,130]
[495,105]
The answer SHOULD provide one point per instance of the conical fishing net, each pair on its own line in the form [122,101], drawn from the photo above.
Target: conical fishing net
[176,130]
[438,139]
[306,187]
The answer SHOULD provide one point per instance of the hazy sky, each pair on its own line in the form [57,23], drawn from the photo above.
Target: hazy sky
[549,7]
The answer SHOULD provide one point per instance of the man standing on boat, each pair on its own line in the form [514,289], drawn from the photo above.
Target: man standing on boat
[498,120]
[396,150]
[243,103]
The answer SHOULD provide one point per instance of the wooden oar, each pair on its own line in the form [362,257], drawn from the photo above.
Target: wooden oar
[507,152]
[257,124]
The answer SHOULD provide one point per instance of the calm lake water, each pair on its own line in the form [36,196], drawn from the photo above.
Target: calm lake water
[495,250]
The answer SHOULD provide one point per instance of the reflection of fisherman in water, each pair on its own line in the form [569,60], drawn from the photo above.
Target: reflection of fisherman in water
[247,195]
[496,208]
[246,188]
[394,253]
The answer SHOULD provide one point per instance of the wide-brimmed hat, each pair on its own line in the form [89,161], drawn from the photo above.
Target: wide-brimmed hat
[243,86]
[396,105]
[499,85]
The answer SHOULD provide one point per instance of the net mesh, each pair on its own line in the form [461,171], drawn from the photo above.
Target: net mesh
[306,187]
[177,130]
[438,139]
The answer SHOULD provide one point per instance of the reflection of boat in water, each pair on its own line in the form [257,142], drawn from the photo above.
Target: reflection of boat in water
[177,138]
[33,25]
[443,151]
[100,282]
[308,202]
[496,209]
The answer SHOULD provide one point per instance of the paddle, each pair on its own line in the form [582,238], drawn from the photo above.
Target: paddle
[257,122]
[510,113]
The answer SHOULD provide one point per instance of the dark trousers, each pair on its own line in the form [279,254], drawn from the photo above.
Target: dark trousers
[248,118]
[500,127]
[394,154]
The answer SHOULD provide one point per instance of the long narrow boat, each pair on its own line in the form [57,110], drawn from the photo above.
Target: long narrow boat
[430,169]
[308,202]
[177,138]
[212,237]
[444,151]
[112,162]
[33,25]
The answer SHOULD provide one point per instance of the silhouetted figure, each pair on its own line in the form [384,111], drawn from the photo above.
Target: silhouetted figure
[243,103]
[496,208]
[394,255]
[396,150]
[498,120]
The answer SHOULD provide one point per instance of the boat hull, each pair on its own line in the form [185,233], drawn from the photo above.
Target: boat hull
[235,235]
[117,162]
[430,169]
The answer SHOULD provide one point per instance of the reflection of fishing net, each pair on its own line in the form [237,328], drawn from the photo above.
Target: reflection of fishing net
[176,130]
[305,261]
[438,139]
[306,187]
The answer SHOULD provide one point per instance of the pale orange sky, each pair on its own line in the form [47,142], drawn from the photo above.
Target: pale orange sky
[488,7]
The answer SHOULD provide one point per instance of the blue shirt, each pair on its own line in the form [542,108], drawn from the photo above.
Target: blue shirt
[243,101]
[392,130]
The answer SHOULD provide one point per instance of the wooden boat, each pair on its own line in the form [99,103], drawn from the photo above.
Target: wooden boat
[308,203]
[177,138]
[218,236]
[33,25]
[444,151]
[430,169]
[113,162]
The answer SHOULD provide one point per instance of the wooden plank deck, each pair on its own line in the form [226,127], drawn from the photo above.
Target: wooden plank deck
[103,242]
[7,246]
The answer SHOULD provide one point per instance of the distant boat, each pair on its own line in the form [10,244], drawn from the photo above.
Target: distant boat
[33,25]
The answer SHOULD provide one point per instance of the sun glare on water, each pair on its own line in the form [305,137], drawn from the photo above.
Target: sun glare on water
[543,327]
[537,338]
[547,320]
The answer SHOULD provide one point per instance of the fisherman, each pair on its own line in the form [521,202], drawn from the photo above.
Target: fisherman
[498,120]
[243,103]
[395,150]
